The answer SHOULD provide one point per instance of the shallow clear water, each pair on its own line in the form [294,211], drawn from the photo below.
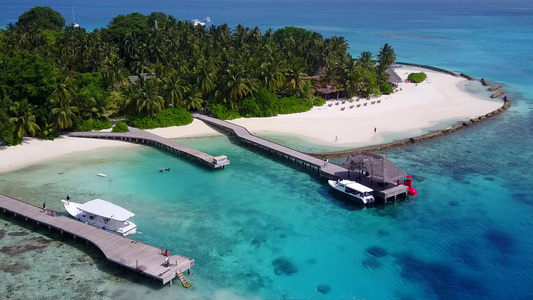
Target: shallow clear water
[263,229]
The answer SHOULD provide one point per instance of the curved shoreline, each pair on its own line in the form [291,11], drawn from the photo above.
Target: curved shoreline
[412,109]
[420,138]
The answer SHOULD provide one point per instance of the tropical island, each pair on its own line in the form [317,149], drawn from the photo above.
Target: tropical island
[152,70]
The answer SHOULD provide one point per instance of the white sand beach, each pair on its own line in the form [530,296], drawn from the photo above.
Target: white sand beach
[411,111]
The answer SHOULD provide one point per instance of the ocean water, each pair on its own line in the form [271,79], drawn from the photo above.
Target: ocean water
[262,229]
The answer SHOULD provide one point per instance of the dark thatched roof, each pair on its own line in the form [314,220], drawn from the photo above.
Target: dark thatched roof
[379,166]
[393,77]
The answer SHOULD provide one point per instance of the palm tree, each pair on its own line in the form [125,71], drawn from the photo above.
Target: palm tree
[24,119]
[237,83]
[63,114]
[293,78]
[365,60]
[174,88]
[194,100]
[205,76]
[386,56]
[65,87]
[148,98]
[114,73]
[354,81]
[271,78]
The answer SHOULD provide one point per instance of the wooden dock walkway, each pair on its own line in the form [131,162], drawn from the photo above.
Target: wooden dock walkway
[135,255]
[136,135]
[308,162]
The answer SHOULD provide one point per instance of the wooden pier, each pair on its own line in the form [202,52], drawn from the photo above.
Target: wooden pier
[135,255]
[308,162]
[135,135]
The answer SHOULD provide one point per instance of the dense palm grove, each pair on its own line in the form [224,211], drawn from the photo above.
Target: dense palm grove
[56,78]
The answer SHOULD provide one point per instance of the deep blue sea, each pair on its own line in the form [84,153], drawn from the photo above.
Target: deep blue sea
[262,229]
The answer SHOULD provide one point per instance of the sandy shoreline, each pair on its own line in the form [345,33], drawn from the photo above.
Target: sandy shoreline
[440,100]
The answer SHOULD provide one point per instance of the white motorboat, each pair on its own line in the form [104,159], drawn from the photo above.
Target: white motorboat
[197,22]
[74,24]
[354,190]
[103,214]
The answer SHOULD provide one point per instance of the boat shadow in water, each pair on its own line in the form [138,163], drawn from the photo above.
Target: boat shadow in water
[340,200]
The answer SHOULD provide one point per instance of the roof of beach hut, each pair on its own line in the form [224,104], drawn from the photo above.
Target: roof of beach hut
[393,77]
[379,166]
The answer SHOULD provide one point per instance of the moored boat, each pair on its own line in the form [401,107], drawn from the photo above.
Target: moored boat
[103,214]
[355,191]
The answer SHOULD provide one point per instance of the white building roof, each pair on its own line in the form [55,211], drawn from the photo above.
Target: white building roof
[106,209]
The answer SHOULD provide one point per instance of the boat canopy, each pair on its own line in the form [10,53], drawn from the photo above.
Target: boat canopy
[106,209]
[356,186]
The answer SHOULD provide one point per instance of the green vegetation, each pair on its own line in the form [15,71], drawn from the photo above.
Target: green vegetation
[169,117]
[93,124]
[319,101]
[56,78]
[40,18]
[223,113]
[417,77]
[120,127]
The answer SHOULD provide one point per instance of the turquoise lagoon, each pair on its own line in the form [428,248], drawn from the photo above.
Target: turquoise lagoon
[263,229]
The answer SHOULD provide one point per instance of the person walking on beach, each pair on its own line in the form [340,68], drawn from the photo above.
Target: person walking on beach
[44,206]
[374,129]
[336,139]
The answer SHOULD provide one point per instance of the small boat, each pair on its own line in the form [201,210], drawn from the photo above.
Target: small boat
[74,24]
[197,22]
[102,214]
[354,190]
[101,175]
[207,19]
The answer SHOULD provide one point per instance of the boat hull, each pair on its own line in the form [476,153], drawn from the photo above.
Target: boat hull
[355,198]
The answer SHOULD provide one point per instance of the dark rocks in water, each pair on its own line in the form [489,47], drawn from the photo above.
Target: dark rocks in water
[255,282]
[376,251]
[500,240]
[2,234]
[466,76]
[323,288]
[17,233]
[15,268]
[484,82]
[382,232]
[33,245]
[441,277]
[495,87]
[283,266]
[454,203]
[371,263]
[257,241]
[497,94]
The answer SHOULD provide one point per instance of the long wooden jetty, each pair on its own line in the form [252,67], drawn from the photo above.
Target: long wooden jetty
[135,255]
[308,162]
[135,135]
